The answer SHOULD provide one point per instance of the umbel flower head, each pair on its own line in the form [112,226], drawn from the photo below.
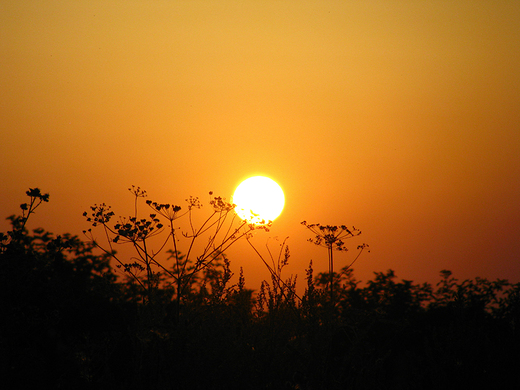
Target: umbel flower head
[331,236]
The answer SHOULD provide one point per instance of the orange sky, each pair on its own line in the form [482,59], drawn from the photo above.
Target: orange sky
[401,118]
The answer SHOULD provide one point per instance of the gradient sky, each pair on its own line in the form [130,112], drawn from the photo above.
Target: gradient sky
[401,118]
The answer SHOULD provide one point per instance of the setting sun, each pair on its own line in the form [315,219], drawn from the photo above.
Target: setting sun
[259,199]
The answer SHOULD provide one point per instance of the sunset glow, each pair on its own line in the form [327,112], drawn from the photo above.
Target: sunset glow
[400,118]
[259,194]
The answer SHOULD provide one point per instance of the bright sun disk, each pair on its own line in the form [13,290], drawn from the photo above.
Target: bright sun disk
[259,199]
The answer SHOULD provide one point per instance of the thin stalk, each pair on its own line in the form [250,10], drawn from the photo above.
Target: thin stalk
[273,273]
[331,273]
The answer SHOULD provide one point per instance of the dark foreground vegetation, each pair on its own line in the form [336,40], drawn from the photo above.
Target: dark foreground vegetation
[68,322]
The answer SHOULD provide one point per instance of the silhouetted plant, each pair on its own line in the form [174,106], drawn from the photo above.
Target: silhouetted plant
[476,299]
[68,322]
[54,291]
[222,228]
[331,237]
[18,232]
[279,292]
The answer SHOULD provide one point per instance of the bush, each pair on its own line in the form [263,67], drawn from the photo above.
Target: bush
[69,322]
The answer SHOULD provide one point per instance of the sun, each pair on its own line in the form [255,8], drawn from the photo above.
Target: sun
[258,199]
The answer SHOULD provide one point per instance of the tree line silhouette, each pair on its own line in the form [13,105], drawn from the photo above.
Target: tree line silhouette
[69,320]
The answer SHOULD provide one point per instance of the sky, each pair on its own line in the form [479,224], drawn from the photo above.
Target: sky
[397,117]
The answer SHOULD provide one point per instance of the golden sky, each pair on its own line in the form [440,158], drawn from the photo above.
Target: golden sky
[398,117]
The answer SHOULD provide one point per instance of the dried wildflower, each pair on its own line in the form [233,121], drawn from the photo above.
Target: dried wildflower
[220,204]
[332,237]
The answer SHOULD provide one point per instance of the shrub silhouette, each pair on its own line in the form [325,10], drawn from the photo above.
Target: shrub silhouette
[68,321]
[55,295]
